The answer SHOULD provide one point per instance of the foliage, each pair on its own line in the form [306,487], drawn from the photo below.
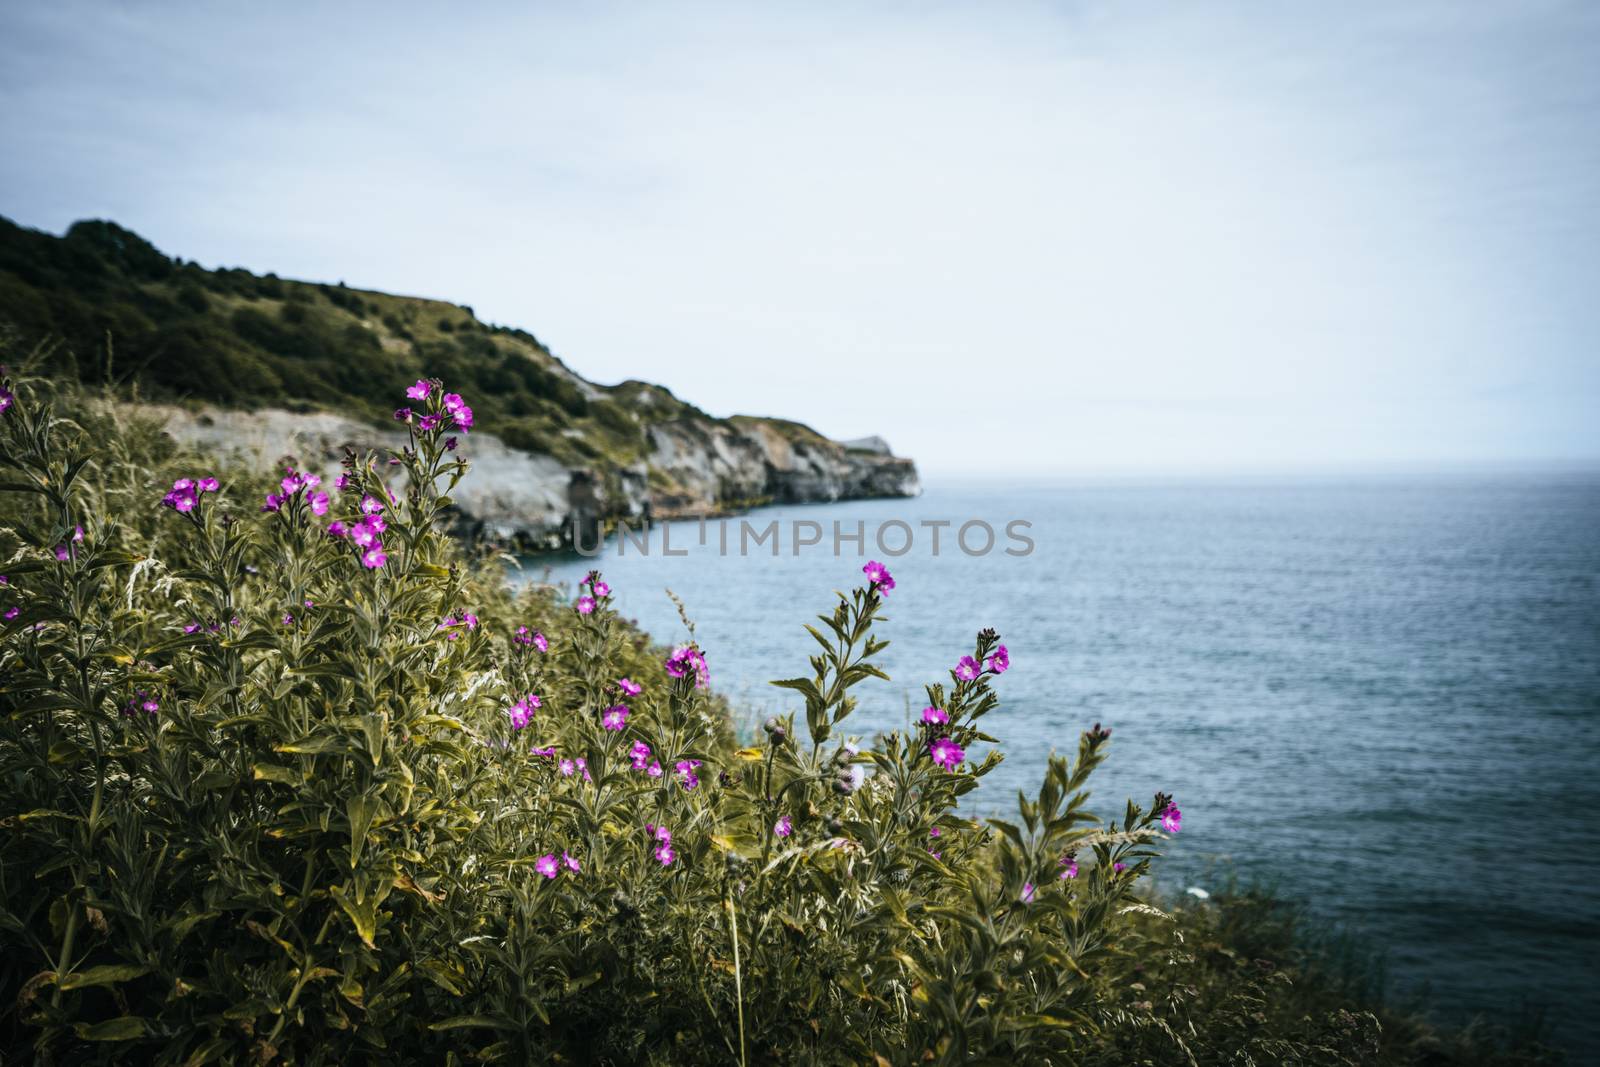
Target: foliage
[268,798]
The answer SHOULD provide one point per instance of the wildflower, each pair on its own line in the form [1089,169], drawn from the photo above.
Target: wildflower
[663,850]
[1119,867]
[12,613]
[547,753]
[600,589]
[879,576]
[140,702]
[629,686]
[547,865]
[403,414]
[4,580]
[1172,819]
[1069,867]
[288,619]
[363,534]
[371,505]
[967,669]
[453,402]
[567,768]
[450,443]
[685,658]
[1027,893]
[936,716]
[522,711]
[783,827]
[6,400]
[686,771]
[654,770]
[338,529]
[319,503]
[342,482]
[583,768]
[525,636]
[946,753]
[585,605]
[428,423]
[935,832]
[420,390]
[183,497]
[374,557]
[1000,661]
[462,417]
[615,717]
[570,861]
[209,485]
[640,755]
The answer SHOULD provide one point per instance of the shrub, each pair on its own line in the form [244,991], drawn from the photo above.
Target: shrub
[301,782]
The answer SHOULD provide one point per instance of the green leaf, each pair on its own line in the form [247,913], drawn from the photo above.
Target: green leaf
[360,810]
[125,1028]
[467,1022]
[106,974]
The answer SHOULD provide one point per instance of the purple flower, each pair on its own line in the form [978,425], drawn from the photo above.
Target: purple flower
[640,755]
[209,485]
[453,402]
[1027,893]
[1000,661]
[570,861]
[342,482]
[371,505]
[462,417]
[967,669]
[6,400]
[1172,819]
[364,534]
[600,588]
[547,753]
[337,529]
[428,423]
[374,557]
[12,613]
[567,768]
[615,717]
[935,832]
[937,716]
[403,414]
[319,503]
[522,711]
[1119,867]
[783,827]
[547,865]
[663,849]
[946,753]
[654,770]
[879,576]
[1069,867]
[450,443]
[687,658]
[686,772]
[272,503]
[585,605]
[630,687]
[183,498]
[421,390]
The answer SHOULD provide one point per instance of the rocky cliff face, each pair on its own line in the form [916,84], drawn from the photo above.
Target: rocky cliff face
[694,466]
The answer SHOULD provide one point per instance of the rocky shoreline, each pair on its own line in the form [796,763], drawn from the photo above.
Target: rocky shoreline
[694,467]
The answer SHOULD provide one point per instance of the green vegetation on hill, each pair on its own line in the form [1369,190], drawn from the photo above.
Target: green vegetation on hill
[182,332]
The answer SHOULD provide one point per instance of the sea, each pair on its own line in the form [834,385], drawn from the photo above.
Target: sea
[1378,695]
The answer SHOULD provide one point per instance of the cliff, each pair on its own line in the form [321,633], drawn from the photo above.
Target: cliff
[233,360]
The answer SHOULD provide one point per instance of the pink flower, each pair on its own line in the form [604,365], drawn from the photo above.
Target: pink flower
[946,753]
[879,576]
[209,485]
[371,505]
[931,714]
[663,850]
[583,768]
[585,605]
[363,534]
[525,636]
[686,658]
[521,712]
[600,588]
[1000,661]
[319,503]
[420,390]
[1119,867]
[1027,893]
[570,861]
[6,400]
[428,423]
[935,832]
[783,827]
[450,444]
[374,557]
[272,503]
[337,529]
[462,417]
[615,717]
[686,772]
[453,402]
[1172,819]
[967,669]
[12,613]
[547,753]
[1069,867]
[654,770]
[547,865]
[640,755]
[629,687]
[567,768]
[403,414]
[342,482]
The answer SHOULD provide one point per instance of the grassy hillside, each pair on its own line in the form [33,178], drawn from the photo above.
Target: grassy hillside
[180,331]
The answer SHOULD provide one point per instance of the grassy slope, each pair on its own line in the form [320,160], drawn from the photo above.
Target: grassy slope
[239,339]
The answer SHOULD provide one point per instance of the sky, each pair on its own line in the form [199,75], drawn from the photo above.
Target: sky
[1013,239]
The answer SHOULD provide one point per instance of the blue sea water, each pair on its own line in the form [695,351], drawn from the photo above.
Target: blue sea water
[1381,696]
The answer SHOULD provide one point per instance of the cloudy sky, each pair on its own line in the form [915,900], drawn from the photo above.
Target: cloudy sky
[1031,238]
